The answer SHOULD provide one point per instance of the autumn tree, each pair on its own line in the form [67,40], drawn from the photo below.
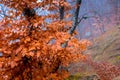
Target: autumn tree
[34,46]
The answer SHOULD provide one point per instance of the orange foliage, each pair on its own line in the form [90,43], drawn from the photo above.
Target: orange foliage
[29,52]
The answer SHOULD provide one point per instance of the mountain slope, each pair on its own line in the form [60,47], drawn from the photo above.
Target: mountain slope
[107,47]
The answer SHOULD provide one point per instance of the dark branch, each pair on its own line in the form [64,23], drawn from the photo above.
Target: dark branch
[75,18]
[61,10]
[75,22]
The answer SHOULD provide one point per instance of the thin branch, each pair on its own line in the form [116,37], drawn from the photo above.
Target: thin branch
[75,22]
[75,18]
[61,10]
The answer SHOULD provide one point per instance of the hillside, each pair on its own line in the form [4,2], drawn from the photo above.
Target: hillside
[107,47]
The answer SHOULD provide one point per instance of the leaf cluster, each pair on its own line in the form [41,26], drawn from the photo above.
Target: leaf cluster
[31,46]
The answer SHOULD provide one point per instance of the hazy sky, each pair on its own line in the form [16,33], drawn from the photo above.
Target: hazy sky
[105,9]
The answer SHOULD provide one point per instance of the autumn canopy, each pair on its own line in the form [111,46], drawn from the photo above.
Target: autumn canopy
[32,44]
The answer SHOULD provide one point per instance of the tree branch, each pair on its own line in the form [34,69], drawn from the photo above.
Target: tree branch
[75,22]
[75,18]
[61,10]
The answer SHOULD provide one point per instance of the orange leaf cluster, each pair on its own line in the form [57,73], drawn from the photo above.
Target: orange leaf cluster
[31,46]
